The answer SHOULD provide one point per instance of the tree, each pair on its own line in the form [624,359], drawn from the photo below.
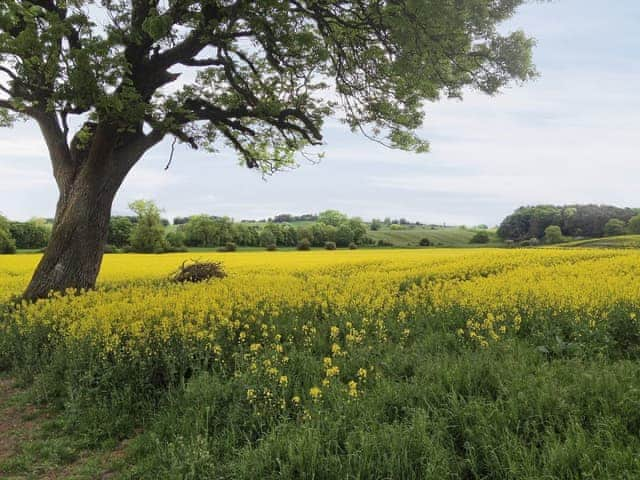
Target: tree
[200,231]
[344,235]
[33,234]
[267,238]
[634,224]
[480,237]
[277,232]
[332,217]
[321,233]
[175,240]
[574,220]
[148,234]
[614,227]
[258,77]
[358,229]
[4,223]
[376,224]
[553,234]
[7,243]
[120,229]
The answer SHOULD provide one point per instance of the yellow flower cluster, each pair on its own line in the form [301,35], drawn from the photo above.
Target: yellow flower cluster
[326,303]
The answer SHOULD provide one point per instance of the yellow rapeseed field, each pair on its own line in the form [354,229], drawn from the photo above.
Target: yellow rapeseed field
[329,303]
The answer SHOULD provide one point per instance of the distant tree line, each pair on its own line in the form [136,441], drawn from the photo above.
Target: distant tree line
[532,222]
[146,232]
[31,235]
[330,226]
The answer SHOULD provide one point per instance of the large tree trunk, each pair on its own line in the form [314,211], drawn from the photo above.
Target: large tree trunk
[89,174]
[73,257]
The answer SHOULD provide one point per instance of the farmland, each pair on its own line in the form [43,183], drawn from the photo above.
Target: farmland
[431,363]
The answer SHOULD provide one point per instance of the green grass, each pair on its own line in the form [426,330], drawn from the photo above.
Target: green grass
[441,411]
[411,236]
[39,444]
[438,409]
[622,241]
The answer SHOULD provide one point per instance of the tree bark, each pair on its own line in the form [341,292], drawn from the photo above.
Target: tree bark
[88,181]
[73,257]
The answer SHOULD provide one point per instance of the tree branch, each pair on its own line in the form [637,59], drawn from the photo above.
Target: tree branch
[59,152]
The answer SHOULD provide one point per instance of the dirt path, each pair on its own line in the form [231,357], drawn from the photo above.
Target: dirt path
[18,420]
[21,431]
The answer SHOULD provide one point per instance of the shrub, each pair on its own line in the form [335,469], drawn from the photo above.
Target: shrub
[425,242]
[634,224]
[353,246]
[614,227]
[228,247]
[271,247]
[170,249]
[553,234]
[384,243]
[534,242]
[480,238]
[367,241]
[198,272]
[304,244]
[109,249]
[175,239]
[7,244]
[330,245]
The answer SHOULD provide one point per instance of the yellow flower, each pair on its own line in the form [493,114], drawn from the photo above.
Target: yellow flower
[335,332]
[353,388]
[332,371]
[251,395]
[284,380]
[315,393]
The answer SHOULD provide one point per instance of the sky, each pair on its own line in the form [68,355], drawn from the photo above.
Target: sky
[570,136]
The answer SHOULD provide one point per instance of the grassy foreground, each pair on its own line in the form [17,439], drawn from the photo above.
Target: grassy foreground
[366,364]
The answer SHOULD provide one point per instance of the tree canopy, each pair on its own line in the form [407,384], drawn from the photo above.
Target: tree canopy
[574,220]
[260,76]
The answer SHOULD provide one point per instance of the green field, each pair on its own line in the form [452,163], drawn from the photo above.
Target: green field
[439,236]
[623,241]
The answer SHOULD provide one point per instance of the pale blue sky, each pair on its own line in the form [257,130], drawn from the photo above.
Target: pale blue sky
[571,136]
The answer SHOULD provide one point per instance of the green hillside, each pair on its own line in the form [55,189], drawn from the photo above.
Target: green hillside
[623,241]
[440,236]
